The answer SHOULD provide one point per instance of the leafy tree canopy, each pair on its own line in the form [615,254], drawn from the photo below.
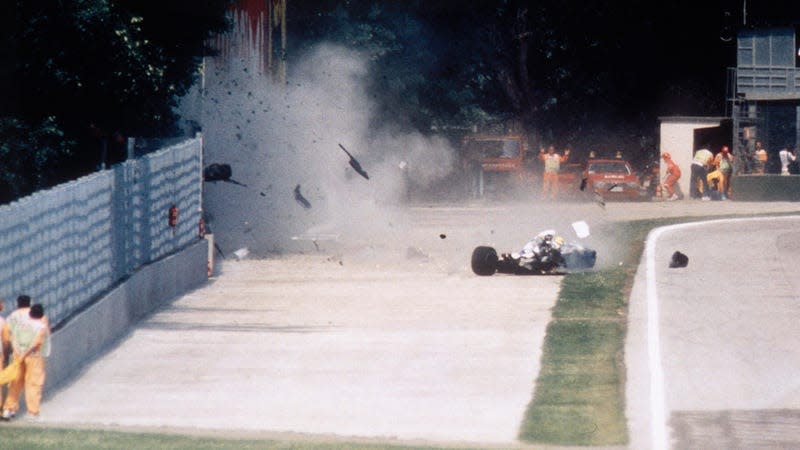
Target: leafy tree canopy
[443,63]
[584,73]
[87,69]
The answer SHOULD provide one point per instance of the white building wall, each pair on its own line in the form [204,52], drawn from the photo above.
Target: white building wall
[677,138]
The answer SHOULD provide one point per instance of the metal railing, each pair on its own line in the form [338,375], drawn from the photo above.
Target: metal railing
[68,245]
[767,82]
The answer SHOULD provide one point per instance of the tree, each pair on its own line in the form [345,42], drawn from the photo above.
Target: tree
[30,156]
[87,69]
[568,70]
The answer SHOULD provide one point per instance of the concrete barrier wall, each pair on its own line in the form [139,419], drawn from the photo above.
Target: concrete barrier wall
[766,188]
[91,331]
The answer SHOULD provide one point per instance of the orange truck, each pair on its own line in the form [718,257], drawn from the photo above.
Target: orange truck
[493,160]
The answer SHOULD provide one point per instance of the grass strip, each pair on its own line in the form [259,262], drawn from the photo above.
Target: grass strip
[579,397]
[580,392]
[21,437]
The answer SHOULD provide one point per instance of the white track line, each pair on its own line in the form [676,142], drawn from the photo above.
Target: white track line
[658,424]
[658,409]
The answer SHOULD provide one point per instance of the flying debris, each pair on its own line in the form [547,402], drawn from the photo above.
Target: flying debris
[220,172]
[599,200]
[581,229]
[241,253]
[300,199]
[355,164]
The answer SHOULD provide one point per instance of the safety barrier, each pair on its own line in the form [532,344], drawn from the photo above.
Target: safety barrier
[68,245]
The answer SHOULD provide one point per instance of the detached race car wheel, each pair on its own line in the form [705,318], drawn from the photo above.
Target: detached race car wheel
[484,261]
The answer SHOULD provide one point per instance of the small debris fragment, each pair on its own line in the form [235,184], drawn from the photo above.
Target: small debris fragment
[599,200]
[300,199]
[241,253]
[355,164]
[415,253]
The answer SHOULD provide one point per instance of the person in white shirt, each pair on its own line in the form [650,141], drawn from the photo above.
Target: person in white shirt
[787,157]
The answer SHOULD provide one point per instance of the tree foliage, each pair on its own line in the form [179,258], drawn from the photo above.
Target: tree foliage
[86,69]
[573,72]
[583,73]
[30,156]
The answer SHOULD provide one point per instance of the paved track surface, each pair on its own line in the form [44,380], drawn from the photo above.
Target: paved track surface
[384,335]
[304,344]
[728,332]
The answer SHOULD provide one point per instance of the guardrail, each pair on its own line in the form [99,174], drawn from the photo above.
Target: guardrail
[68,245]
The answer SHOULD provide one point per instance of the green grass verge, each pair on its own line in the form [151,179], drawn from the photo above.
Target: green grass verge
[580,393]
[579,397]
[41,438]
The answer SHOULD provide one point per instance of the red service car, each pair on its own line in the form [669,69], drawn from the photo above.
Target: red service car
[613,179]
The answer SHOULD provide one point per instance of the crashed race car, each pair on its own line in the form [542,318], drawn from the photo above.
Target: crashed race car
[547,253]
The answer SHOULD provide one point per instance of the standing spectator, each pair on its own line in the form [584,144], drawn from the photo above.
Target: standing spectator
[673,174]
[30,342]
[724,163]
[23,306]
[552,165]
[761,159]
[700,163]
[13,322]
[787,157]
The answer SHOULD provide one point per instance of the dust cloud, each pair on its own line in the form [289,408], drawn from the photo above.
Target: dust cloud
[301,194]
[283,142]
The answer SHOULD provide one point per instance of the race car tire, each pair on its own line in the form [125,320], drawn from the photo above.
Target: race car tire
[484,261]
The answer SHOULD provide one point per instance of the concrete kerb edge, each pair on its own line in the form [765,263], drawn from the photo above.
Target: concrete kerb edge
[93,330]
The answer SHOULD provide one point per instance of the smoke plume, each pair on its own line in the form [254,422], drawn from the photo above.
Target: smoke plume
[285,140]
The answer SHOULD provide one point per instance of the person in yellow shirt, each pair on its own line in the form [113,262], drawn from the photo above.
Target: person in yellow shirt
[552,165]
[724,164]
[715,176]
[30,344]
